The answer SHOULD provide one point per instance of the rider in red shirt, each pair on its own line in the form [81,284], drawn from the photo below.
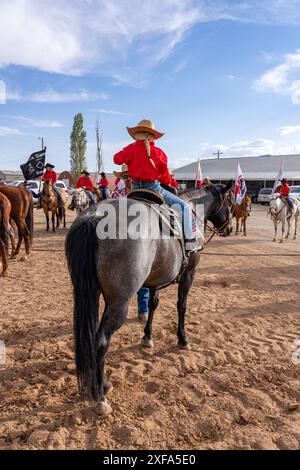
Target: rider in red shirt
[86,183]
[284,191]
[103,185]
[50,175]
[148,166]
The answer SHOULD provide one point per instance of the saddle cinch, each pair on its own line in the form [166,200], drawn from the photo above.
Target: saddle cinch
[157,202]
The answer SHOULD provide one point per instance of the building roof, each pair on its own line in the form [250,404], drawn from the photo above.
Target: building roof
[263,168]
[11,172]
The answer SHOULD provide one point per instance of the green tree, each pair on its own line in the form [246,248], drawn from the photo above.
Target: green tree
[78,147]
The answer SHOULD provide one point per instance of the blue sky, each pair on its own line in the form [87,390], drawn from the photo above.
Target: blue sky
[211,74]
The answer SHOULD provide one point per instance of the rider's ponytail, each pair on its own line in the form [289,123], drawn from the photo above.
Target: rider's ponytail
[146,137]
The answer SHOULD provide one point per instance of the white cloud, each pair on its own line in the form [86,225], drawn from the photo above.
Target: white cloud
[286,130]
[9,131]
[284,79]
[118,38]
[110,111]
[243,148]
[40,123]
[93,35]
[51,96]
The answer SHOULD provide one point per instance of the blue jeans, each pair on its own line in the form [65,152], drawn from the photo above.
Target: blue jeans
[171,199]
[58,193]
[143,300]
[105,193]
[289,202]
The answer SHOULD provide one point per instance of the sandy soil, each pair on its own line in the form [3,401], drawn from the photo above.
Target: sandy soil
[237,388]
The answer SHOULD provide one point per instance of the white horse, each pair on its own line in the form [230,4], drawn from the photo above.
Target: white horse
[80,200]
[279,213]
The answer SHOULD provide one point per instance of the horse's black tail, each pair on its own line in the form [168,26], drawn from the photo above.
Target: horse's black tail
[4,226]
[81,244]
[60,213]
[29,220]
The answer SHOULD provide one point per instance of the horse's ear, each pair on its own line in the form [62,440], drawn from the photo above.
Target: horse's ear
[228,186]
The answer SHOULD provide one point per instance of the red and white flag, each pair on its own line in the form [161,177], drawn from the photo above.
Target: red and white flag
[279,177]
[240,189]
[199,178]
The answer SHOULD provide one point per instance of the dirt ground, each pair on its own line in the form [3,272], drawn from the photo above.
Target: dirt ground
[238,387]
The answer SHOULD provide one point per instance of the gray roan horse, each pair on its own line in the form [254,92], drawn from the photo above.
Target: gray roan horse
[117,269]
[80,200]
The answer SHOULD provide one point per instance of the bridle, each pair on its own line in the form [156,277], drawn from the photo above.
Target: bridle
[220,230]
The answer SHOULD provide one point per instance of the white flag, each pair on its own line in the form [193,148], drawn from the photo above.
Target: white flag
[240,189]
[198,175]
[279,177]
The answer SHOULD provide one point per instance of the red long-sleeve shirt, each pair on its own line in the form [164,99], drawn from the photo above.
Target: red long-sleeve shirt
[50,176]
[104,183]
[85,182]
[139,166]
[284,190]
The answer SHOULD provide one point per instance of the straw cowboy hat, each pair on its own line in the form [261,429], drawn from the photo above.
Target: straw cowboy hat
[145,125]
[123,173]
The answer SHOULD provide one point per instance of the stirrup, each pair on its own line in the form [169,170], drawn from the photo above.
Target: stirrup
[193,244]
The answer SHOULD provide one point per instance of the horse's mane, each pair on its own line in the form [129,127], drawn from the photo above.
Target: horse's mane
[197,193]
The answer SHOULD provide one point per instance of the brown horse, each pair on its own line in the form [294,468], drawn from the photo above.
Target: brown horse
[6,232]
[49,203]
[22,214]
[242,211]
[97,193]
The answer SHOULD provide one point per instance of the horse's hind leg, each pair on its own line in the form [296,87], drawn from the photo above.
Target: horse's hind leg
[20,239]
[12,241]
[153,303]
[245,230]
[275,231]
[4,259]
[53,221]
[289,228]
[296,223]
[113,318]
[184,286]
[47,219]
[237,226]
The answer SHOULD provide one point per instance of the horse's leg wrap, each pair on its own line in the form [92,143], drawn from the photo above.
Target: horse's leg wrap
[153,303]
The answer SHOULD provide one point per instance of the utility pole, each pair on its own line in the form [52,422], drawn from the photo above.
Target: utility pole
[218,153]
[42,140]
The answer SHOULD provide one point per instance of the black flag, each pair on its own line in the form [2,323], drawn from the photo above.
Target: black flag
[34,166]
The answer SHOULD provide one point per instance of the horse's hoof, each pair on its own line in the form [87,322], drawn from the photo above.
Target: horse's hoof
[103,408]
[294,238]
[274,239]
[3,274]
[13,257]
[185,347]
[108,387]
[147,343]
[281,241]
[23,259]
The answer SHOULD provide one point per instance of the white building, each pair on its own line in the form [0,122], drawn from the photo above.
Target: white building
[259,172]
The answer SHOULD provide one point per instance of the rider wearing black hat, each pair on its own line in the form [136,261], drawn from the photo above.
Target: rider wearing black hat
[51,176]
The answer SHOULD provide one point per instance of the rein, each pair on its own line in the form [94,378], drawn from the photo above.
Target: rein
[213,230]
